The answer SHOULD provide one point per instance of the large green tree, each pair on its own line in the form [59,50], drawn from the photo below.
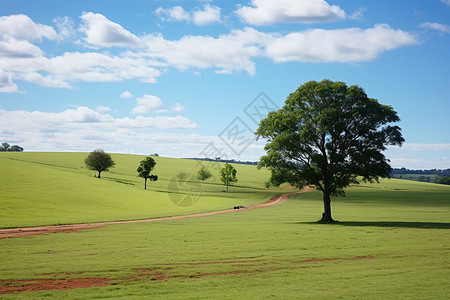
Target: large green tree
[228,175]
[145,167]
[98,160]
[327,134]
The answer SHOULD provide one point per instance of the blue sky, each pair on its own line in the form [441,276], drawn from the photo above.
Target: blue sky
[192,78]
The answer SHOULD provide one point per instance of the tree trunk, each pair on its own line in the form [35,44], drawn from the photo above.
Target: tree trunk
[326,216]
[145,186]
[227,187]
[98,174]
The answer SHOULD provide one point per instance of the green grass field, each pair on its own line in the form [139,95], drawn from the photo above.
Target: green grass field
[392,242]
[56,188]
[417,177]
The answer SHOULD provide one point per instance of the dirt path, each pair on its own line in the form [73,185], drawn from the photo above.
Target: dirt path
[27,231]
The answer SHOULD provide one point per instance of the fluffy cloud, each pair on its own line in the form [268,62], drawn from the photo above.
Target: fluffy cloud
[233,51]
[341,45]
[152,104]
[436,26]
[23,28]
[178,108]
[143,57]
[447,2]
[6,83]
[83,129]
[146,104]
[102,32]
[126,94]
[266,12]
[176,13]
[66,27]
[61,71]
[208,15]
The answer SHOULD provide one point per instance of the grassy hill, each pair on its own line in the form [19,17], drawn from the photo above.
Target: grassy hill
[56,188]
[392,242]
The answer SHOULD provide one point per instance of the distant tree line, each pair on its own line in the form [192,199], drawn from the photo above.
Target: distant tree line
[231,161]
[438,172]
[7,147]
[444,180]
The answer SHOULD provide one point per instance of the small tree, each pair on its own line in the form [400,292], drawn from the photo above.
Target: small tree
[203,174]
[5,147]
[144,169]
[98,160]
[228,175]
[16,148]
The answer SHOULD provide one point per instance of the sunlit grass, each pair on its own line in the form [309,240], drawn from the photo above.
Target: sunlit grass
[392,242]
[56,188]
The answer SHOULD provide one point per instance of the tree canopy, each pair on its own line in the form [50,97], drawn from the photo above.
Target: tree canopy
[98,160]
[228,175]
[145,167]
[326,135]
[8,147]
[444,180]
[203,174]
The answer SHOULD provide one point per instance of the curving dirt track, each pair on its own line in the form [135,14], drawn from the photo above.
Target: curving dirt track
[27,231]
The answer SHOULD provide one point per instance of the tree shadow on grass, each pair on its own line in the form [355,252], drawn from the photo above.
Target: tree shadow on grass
[394,224]
[122,181]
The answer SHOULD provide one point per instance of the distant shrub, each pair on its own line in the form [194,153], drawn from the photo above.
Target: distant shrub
[443,180]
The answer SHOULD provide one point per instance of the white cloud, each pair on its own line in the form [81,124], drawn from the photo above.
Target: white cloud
[176,13]
[436,26]
[102,109]
[83,129]
[420,163]
[266,12]
[102,32]
[178,108]
[23,28]
[210,14]
[65,27]
[146,104]
[152,104]
[144,57]
[12,48]
[233,51]
[420,156]
[126,94]
[6,83]
[62,71]
[447,2]
[340,45]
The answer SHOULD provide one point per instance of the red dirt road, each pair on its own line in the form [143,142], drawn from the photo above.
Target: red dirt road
[27,231]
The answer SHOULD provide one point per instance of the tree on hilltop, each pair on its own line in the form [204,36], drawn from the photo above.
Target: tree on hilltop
[98,160]
[326,135]
[4,147]
[144,169]
[228,175]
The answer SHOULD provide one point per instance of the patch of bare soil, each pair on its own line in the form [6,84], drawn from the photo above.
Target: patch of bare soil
[28,231]
[214,262]
[214,274]
[331,259]
[32,285]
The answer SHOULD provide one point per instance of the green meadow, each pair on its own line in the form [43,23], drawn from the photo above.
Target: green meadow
[392,240]
[56,188]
